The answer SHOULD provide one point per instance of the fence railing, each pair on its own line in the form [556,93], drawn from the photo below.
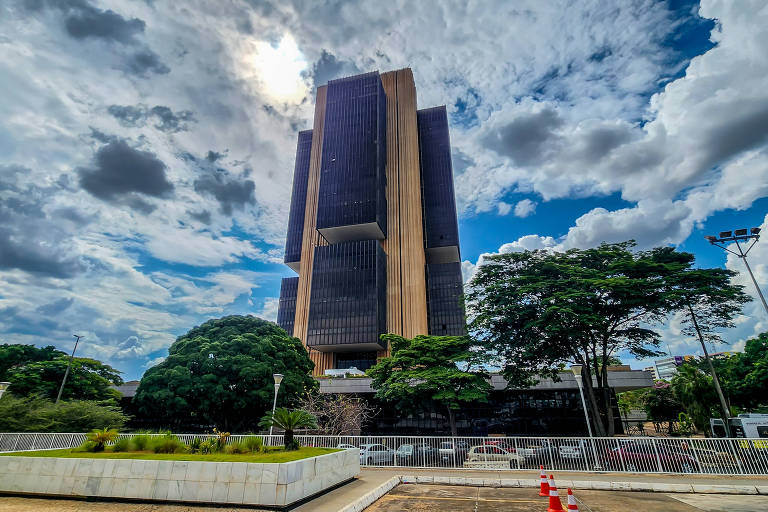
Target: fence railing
[627,455]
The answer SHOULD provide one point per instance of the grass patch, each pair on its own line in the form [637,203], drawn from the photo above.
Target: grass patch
[273,455]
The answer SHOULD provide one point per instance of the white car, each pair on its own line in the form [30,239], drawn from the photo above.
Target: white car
[345,446]
[491,453]
[375,454]
[572,449]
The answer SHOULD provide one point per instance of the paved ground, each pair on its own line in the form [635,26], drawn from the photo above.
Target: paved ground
[14,504]
[440,498]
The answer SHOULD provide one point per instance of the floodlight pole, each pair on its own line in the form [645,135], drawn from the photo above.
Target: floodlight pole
[742,254]
[278,378]
[69,363]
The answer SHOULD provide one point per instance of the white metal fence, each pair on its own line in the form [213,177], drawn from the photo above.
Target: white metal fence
[628,455]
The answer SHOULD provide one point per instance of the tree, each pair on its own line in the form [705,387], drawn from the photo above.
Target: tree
[438,368]
[37,414]
[88,379]
[337,414]
[220,374]
[695,390]
[661,403]
[709,302]
[536,311]
[15,355]
[288,421]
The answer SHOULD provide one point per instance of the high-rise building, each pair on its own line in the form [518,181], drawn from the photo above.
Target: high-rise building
[372,230]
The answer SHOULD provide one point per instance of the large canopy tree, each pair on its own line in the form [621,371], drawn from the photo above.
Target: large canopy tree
[15,355]
[442,369]
[220,374]
[88,379]
[536,311]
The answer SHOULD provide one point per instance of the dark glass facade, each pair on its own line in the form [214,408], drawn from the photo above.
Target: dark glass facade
[359,360]
[353,169]
[441,229]
[348,297]
[286,311]
[445,311]
[294,237]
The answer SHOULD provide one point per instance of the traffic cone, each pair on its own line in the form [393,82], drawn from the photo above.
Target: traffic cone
[554,499]
[544,491]
[572,501]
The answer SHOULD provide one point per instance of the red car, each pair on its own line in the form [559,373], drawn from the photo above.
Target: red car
[639,457]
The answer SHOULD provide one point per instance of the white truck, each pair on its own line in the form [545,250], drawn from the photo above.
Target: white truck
[745,425]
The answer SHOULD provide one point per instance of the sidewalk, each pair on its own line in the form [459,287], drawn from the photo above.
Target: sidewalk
[375,482]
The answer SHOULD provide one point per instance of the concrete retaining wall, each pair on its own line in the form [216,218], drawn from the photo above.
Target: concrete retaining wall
[275,485]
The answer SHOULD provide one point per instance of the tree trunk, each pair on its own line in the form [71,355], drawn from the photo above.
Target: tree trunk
[589,394]
[287,438]
[452,421]
[610,424]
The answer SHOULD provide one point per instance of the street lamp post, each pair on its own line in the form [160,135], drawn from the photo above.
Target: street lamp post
[736,236]
[278,379]
[3,387]
[69,363]
[576,369]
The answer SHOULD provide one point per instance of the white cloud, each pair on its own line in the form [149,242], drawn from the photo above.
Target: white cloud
[269,309]
[524,208]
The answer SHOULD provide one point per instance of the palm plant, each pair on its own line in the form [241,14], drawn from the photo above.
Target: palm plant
[100,437]
[288,421]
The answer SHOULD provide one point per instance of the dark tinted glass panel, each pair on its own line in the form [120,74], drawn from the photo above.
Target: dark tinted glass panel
[445,312]
[348,297]
[298,198]
[360,360]
[353,170]
[286,310]
[440,225]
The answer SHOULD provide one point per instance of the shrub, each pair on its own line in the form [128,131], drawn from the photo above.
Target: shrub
[254,444]
[167,443]
[221,439]
[208,446]
[236,448]
[141,442]
[293,444]
[87,446]
[194,445]
[122,445]
[100,437]
[35,414]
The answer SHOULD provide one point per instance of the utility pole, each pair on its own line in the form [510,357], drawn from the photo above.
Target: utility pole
[736,236]
[66,373]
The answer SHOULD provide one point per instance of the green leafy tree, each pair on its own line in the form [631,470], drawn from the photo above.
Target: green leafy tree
[695,390]
[442,369]
[220,373]
[288,421]
[709,302]
[630,401]
[536,311]
[38,414]
[88,379]
[661,404]
[16,355]
[744,375]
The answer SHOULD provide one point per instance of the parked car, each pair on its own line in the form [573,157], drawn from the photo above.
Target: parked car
[490,453]
[419,454]
[450,452]
[345,446]
[572,449]
[538,451]
[639,456]
[373,454]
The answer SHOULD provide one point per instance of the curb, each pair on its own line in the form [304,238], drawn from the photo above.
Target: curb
[368,498]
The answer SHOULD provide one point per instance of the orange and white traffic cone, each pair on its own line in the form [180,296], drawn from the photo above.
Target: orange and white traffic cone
[554,499]
[544,491]
[572,501]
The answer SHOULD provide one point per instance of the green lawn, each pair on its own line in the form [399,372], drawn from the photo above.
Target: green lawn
[272,456]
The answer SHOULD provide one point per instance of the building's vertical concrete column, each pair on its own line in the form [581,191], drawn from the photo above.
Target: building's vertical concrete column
[406,285]
[311,237]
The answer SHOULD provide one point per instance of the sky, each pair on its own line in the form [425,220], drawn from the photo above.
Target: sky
[147,147]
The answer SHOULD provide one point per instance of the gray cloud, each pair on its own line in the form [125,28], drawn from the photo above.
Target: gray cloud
[601,141]
[328,67]
[167,119]
[55,307]
[144,62]
[231,193]
[121,171]
[203,216]
[740,133]
[526,137]
[89,21]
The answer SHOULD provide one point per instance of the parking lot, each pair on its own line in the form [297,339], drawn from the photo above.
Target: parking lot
[434,498]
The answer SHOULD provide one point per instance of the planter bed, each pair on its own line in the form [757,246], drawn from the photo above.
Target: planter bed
[269,479]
